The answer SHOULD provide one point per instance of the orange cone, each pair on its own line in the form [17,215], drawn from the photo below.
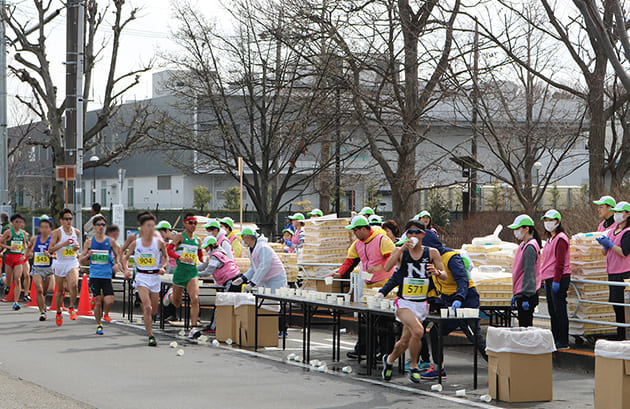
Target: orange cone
[11,296]
[33,295]
[84,298]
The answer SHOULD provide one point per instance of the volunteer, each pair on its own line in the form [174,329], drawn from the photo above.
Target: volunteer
[376,223]
[166,232]
[65,243]
[214,228]
[4,221]
[14,242]
[526,277]
[102,253]
[287,235]
[151,260]
[425,217]
[88,227]
[232,235]
[366,212]
[297,220]
[186,249]
[315,213]
[222,269]
[371,250]
[616,244]
[391,230]
[42,264]
[605,207]
[556,273]
[416,265]
[266,269]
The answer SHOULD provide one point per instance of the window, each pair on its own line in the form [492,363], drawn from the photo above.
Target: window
[104,196]
[164,182]
[130,196]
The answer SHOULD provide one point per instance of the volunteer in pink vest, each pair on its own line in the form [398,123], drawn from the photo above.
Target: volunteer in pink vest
[214,228]
[297,240]
[616,246]
[219,266]
[556,273]
[526,277]
[604,209]
[266,269]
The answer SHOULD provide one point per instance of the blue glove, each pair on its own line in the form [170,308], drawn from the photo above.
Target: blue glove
[288,242]
[456,304]
[513,303]
[606,243]
[555,287]
[526,305]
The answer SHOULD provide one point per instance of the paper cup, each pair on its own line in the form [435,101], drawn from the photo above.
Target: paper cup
[215,343]
[228,341]
[460,393]
[290,357]
[298,358]
[444,312]
[328,280]
[180,352]
[346,298]
[267,291]
[173,344]
[451,312]
[366,276]
[413,242]
[331,299]
[340,300]
[385,305]
[436,388]
[346,369]
[485,398]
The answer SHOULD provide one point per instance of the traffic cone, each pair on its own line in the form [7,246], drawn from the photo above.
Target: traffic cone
[11,296]
[33,295]
[84,298]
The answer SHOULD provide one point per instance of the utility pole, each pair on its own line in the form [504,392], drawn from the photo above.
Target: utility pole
[4,154]
[475,114]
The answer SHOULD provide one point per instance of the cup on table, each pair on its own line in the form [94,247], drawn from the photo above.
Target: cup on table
[267,291]
[298,292]
[384,304]
[452,312]
[330,299]
[328,280]
[347,298]
[444,312]
[340,300]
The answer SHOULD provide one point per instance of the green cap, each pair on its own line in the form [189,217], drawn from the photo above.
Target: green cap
[208,241]
[287,231]
[315,212]
[247,231]
[358,221]
[375,220]
[552,214]
[163,225]
[621,207]
[521,221]
[366,211]
[227,221]
[607,200]
[212,223]
[424,213]
[297,216]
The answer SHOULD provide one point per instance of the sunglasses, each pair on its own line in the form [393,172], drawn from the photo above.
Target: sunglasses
[100,224]
[415,231]
[66,218]
[191,222]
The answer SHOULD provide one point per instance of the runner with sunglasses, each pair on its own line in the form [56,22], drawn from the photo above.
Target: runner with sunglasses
[14,241]
[65,243]
[186,249]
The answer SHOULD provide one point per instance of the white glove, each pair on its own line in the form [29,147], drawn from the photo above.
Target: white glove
[248,288]
[379,296]
[238,281]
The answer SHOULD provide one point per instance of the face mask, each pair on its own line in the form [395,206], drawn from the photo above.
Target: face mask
[551,226]
[518,234]
[619,217]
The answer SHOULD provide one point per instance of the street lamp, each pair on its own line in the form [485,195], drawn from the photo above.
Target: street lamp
[94,158]
[537,166]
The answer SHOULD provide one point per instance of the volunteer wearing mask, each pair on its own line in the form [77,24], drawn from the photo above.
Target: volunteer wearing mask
[297,220]
[219,266]
[315,213]
[604,209]
[166,232]
[366,212]
[266,268]
[214,228]
[526,278]
[287,235]
[616,246]
[425,217]
[556,273]
[376,223]
[232,235]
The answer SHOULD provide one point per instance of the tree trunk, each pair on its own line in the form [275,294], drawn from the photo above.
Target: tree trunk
[324,178]
[596,139]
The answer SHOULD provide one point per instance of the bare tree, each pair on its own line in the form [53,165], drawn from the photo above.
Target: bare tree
[31,66]
[247,95]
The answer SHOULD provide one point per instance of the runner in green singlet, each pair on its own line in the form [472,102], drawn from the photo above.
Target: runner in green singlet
[14,241]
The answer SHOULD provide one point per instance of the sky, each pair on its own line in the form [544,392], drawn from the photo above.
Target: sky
[142,40]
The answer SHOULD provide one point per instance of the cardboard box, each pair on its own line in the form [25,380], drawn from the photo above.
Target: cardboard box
[516,377]
[246,326]
[322,287]
[226,323]
[612,383]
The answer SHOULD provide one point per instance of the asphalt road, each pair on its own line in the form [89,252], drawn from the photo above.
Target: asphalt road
[44,366]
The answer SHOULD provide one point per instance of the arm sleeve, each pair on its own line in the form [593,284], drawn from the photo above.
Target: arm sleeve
[561,252]
[170,249]
[348,265]
[529,266]
[393,282]
[266,254]
[458,271]
[200,254]
[625,243]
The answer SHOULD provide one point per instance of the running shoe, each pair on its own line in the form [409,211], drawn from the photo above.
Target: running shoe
[43,317]
[432,373]
[6,290]
[99,330]
[414,375]
[194,333]
[354,355]
[16,307]
[59,319]
[152,341]
[73,314]
[422,365]
[107,318]
[27,298]
[388,369]
[282,334]
[167,297]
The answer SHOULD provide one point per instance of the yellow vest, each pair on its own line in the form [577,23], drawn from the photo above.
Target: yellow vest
[448,287]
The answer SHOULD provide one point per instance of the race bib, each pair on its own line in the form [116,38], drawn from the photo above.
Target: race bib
[99,257]
[145,260]
[189,252]
[17,246]
[69,252]
[41,260]
[415,289]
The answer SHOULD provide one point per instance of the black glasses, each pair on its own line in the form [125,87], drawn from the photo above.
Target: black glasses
[415,231]
[100,224]
[66,218]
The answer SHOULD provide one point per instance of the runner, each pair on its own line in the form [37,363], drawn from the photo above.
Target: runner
[102,253]
[151,260]
[605,211]
[132,237]
[185,248]
[167,234]
[232,235]
[42,263]
[65,243]
[14,241]
[26,271]
[113,232]
[416,265]
[315,213]
[214,228]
